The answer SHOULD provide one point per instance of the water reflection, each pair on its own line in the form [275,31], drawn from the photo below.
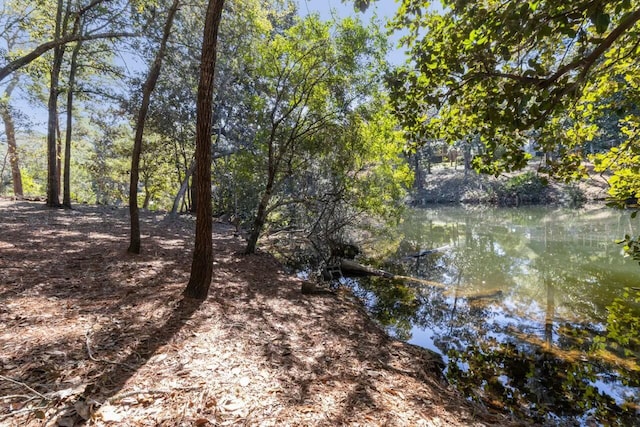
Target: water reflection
[534,311]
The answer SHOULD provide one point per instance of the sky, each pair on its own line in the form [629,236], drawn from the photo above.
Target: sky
[383,8]
[329,9]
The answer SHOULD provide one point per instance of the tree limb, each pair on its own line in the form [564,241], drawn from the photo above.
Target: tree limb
[45,47]
[585,63]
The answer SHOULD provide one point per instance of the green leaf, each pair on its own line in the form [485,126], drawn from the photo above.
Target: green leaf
[602,21]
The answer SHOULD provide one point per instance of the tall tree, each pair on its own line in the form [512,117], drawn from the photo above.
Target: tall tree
[73,68]
[307,79]
[53,191]
[147,90]
[202,264]
[10,133]
[11,17]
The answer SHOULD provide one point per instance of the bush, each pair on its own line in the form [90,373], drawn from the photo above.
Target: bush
[523,189]
[574,197]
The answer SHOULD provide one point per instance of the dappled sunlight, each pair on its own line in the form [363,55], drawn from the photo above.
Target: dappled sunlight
[103,336]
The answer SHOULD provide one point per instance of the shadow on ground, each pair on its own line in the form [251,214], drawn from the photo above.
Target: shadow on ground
[96,335]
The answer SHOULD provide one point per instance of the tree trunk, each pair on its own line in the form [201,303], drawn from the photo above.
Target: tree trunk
[202,265]
[10,132]
[66,197]
[261,218]
[467,158]
[418,182]
[183,189]
[53,189]
[149,85]
[58,155]
[147,198]
[193,196]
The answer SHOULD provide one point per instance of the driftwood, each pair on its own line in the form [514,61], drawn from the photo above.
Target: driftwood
[353,268]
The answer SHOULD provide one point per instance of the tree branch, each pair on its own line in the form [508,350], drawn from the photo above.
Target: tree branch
[585,62]
[45,47]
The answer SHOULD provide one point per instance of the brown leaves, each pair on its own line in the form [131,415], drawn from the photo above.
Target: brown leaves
[93,335]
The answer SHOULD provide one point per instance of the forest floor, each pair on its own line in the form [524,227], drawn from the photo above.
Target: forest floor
[92,335]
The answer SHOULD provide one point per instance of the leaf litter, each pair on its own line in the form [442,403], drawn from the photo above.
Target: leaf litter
[94,336]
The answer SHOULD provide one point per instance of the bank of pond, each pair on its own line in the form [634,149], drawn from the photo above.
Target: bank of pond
[534,310]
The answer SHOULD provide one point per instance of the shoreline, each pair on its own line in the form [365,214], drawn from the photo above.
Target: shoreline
[106,337]
[446,185]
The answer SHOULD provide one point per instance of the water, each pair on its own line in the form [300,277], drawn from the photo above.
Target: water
[534,310]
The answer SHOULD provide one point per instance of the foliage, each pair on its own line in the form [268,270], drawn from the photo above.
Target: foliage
[323,143]
[512,73]
[623,323]
[523,188]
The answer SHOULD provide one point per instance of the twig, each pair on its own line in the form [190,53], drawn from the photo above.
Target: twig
[13,396]
[21,411]
[25,386]
[102,360]
[135,392]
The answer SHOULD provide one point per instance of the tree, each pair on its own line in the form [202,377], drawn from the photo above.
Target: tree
[10,133]
[14,61]
[147,89]
[504,72]
[307,80]
[202,264]
[61,20]
[73,68]
[11,35]
[65,12]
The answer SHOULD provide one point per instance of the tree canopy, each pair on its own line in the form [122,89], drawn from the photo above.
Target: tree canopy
[520,74]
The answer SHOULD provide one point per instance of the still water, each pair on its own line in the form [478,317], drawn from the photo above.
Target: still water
[533,310]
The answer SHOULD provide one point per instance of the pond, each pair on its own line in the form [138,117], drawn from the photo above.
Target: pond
[534,311]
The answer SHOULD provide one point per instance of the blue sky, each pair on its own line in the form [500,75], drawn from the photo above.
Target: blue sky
[328,9]
[383,8]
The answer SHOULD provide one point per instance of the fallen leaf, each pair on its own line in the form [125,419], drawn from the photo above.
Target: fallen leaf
[82,409]
[109,413]
[232,405]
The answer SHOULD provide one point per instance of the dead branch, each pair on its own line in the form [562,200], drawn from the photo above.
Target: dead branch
[21,411]
[25,386]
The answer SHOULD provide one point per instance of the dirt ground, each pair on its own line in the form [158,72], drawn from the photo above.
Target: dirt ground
[91,335]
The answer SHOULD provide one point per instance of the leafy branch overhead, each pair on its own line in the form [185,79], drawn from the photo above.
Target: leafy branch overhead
[557,76]
[501,69]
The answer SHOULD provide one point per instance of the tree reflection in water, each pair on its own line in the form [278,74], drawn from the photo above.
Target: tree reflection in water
[560,344]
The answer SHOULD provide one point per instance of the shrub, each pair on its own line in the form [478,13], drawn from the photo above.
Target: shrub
[525,188]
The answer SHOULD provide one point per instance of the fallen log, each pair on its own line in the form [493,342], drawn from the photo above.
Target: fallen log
[352,268]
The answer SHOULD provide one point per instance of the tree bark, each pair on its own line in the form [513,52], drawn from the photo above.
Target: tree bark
[183,189]
[10,132]
[147,89]
[53,189]
[202,265]
[66,197]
